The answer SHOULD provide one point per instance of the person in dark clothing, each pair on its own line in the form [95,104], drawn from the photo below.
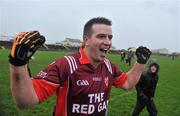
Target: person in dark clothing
[173,56]
[123,55]
[129,57]
[146,89]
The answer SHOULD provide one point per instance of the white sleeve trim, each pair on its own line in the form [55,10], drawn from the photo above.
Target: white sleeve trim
[72,63]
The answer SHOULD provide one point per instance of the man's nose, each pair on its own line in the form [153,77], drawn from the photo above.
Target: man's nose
[107,42]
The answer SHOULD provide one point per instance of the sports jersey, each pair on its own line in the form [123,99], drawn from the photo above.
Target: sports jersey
[81,89]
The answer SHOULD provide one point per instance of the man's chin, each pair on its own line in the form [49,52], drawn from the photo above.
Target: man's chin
[102,59]
[99,60]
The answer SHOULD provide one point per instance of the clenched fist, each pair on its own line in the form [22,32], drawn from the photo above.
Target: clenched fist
[142,54]
[24,46]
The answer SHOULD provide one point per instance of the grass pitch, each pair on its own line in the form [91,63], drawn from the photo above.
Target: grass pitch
[121,102]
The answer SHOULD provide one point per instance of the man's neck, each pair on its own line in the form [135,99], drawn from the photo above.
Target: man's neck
[93,63]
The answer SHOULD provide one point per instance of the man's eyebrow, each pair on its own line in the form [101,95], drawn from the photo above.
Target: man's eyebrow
[101,35]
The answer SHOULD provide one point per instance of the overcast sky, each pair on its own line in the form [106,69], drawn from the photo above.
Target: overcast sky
[152,23]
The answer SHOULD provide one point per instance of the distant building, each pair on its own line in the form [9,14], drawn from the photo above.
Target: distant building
[113,48]
[71,42]
[162,51]
[133,49]
[6,38]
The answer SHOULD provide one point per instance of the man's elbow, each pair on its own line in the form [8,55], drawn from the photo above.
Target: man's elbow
[127,86]
[21,105]
[24,104]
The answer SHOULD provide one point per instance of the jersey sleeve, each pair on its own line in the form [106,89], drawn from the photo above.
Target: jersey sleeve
[48,81]
[119,77]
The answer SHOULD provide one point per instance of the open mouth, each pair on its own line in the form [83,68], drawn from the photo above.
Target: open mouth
[104,50]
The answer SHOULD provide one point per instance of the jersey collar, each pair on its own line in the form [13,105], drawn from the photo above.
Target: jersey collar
[83,59]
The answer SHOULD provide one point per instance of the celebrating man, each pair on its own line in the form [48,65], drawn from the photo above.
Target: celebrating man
[82,81]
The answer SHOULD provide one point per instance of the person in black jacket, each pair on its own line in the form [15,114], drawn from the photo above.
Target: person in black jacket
[146,89]
[129,57]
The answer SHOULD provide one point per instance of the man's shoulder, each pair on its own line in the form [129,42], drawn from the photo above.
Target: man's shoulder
[71,56]
[76,55]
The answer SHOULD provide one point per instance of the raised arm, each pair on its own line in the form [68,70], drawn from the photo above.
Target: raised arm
[24,46]
[22,87]
[133,75]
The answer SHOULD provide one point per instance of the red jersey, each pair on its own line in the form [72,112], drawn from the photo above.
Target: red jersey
[80,88]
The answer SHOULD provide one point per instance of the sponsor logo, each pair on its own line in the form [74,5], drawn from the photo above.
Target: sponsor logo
[42,74]
[82,83]
[97,78]
[97,103]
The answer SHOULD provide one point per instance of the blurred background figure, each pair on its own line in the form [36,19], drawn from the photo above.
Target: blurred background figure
[123,55]
[129,57]
[173,56]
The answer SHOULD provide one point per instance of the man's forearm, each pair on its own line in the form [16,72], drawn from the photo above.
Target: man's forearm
[134,75]
[22,87]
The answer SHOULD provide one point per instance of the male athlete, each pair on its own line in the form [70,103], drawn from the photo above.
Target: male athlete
[82,81]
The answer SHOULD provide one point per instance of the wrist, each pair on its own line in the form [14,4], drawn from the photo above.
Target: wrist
[140,61]
[16,62]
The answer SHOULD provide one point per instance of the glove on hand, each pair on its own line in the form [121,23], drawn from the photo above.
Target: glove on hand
[142,54]
[24,46]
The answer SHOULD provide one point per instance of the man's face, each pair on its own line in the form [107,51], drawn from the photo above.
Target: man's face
[153,69]
[99,43]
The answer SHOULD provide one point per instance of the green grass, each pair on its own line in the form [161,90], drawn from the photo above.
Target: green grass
[121,102]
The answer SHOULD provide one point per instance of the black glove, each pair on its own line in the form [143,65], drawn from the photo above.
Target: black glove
[24,46]
[142,54]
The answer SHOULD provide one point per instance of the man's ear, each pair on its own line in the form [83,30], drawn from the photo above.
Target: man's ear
[85,40]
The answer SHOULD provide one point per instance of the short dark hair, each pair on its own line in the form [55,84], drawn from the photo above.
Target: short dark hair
[97,20]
